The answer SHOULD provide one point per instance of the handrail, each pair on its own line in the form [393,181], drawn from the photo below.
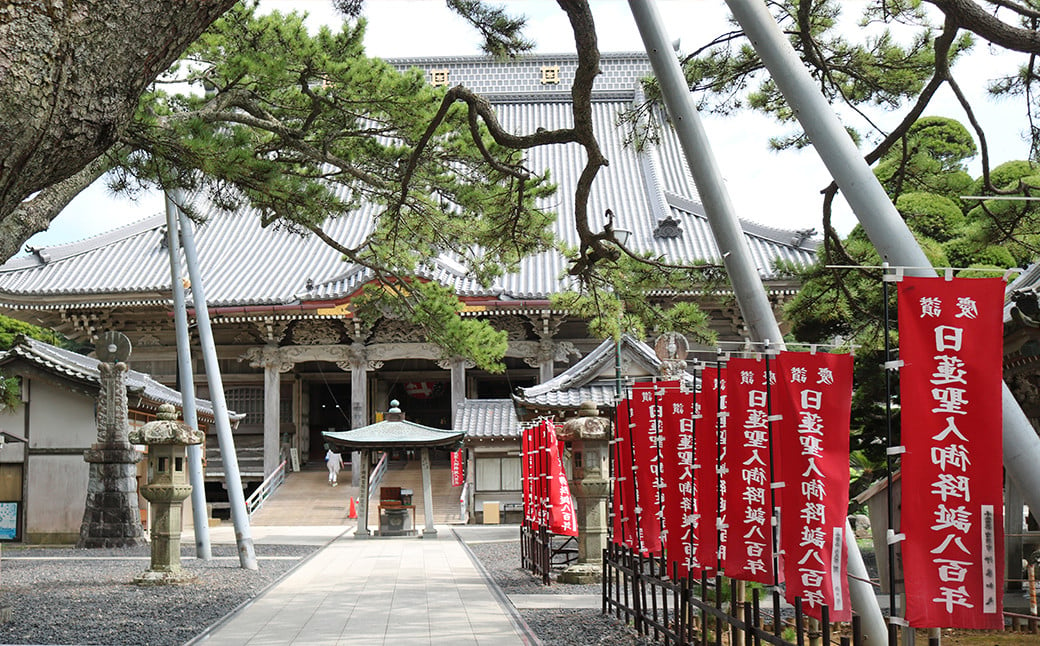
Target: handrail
[256,500]
[377,475]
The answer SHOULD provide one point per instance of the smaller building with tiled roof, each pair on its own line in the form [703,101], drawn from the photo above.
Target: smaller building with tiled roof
[47,476]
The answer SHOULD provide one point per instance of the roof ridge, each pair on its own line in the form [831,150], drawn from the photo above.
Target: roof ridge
[48,254]
[778,235]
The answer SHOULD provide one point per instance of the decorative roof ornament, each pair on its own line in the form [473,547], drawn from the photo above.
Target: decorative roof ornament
[668,228]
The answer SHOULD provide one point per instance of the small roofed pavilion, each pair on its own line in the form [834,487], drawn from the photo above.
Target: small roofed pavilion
[395,433]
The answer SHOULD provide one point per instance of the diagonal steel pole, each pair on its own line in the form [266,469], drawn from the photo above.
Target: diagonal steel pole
[747,285]
[232,477]
[200,519]
[875,211]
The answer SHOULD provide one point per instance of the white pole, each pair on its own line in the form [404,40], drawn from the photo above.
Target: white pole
[232,478]
[747,285]
[200,519]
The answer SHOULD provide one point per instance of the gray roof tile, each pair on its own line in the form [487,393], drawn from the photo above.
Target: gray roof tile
[487,419]
[80,367]
[244,264]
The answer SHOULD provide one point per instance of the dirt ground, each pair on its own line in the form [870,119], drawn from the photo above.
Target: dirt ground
[980,638]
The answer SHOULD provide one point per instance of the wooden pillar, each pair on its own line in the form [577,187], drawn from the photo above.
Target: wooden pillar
[362,526]
[358,408]
[458,386]
[427,494]
[272,417]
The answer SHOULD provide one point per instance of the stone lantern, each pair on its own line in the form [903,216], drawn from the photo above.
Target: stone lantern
[167,487]
[589,435]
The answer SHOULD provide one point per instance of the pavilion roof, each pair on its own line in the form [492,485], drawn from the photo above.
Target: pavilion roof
[395,433]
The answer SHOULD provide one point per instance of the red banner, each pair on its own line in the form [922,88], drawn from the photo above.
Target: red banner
[562,519]
[710,445]
[624,529]
[527,475]
[749,542]
[815,398]
[645,425]
[680,505]
[458,473]
[951,346]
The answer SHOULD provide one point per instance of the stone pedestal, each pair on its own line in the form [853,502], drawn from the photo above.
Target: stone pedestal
[589,437]
[112,517]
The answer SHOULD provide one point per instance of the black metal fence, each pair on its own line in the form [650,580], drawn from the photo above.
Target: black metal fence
[711,611]
[541,551]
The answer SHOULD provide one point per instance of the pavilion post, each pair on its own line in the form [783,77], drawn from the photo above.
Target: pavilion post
[427,495]
[362,524]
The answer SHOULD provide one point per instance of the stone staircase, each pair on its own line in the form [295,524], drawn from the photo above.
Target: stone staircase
[306,499]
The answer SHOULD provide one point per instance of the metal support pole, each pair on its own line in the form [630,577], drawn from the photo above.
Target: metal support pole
[875,211]
[232,478]
[747,284]
[725,228]
[199,515]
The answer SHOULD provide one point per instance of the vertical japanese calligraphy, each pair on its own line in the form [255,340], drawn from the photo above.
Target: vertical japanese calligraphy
[562,519]
[645,425]
[457,472]
[710,444]
[814,396]
[680,510]
[749,541]
[950,343]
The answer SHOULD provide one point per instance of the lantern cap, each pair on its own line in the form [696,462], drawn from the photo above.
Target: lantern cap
[165,429]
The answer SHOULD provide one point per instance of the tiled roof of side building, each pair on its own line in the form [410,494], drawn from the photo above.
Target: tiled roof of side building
[244,264]
[483,419]
[82,368]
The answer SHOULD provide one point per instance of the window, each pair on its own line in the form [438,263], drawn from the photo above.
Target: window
[551,75]
[498,474]
[439,77]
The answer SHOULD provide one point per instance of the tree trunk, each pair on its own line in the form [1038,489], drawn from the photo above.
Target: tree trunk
[71,74]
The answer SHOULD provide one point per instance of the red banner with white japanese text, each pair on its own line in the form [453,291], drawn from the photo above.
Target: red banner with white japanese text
[951,348]
[680,504]
[749,542]
[709,449]
[562,518]
[458,474]
[624,527]
[814,396]
[645,425]
[527,476]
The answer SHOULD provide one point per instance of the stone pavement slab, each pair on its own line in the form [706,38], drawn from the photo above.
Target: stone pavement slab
[374,591]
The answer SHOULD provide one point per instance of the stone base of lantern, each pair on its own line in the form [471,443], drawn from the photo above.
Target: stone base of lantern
[582,574]
[159,577]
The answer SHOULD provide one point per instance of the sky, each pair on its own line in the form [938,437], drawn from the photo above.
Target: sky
[774,188]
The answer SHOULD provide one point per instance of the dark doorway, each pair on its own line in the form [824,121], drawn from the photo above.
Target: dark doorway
[425,402]
[330,411]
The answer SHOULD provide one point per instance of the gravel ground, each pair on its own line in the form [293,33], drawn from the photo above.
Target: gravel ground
[76,596]
[556,627]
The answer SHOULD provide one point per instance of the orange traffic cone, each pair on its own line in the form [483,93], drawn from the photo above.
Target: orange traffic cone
[353,510]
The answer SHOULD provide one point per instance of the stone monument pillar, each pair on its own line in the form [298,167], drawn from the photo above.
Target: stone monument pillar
[166,489]
[111,517]
[589,435]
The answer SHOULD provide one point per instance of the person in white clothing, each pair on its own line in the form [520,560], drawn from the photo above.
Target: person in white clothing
[334,461]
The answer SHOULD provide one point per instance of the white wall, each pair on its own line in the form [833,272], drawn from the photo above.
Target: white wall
[56,484]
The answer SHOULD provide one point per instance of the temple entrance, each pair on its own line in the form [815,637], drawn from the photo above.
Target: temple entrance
[329,411]
[427,401]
